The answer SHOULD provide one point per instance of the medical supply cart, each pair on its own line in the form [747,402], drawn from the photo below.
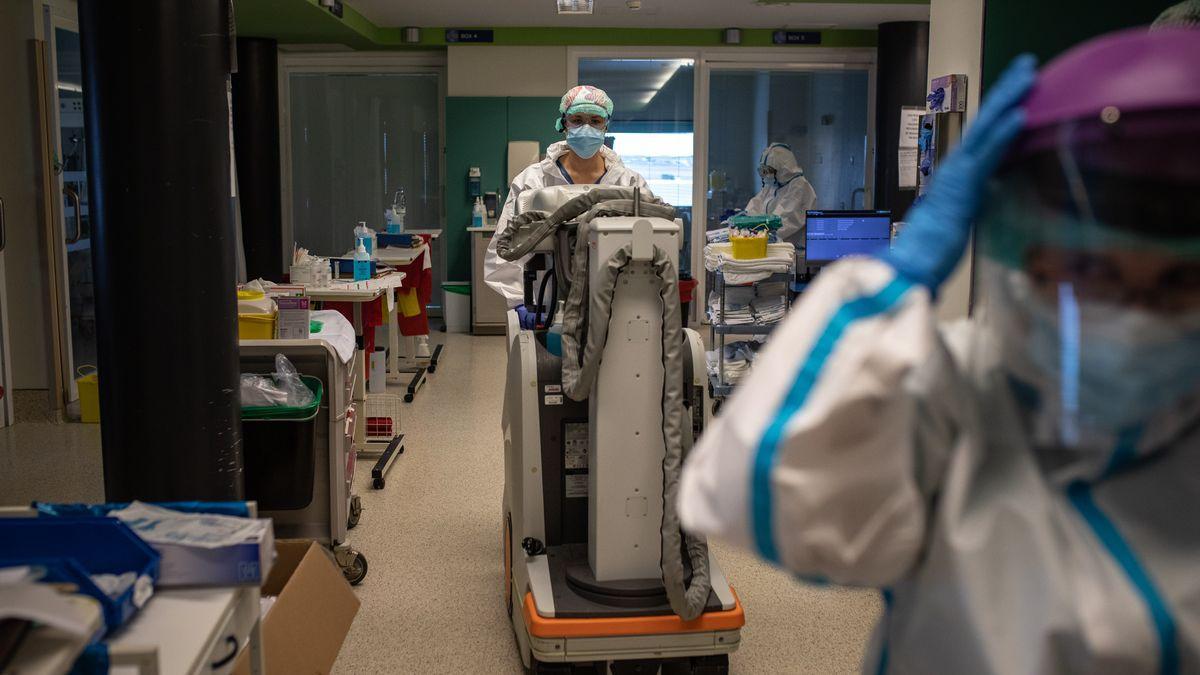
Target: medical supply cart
[416,261]
[378,435]
[720,386]
[332,508]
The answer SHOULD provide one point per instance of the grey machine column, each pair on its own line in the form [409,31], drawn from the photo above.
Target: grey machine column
[163,247]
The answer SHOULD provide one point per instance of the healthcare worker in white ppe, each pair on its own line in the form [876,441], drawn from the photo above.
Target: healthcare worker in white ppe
[582,158]
[1024,486]
[785,193]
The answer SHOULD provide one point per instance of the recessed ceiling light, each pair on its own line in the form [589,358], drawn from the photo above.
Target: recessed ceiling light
[574,6]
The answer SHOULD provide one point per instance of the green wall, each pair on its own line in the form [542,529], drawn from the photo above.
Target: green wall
[1011,27]
[481,128]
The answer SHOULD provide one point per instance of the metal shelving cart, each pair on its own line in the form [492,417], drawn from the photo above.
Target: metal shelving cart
[719,385]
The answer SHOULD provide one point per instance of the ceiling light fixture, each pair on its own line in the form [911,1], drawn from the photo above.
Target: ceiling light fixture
[635,5]
[669,70]
[574,6]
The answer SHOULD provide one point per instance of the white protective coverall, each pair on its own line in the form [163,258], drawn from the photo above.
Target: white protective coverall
[504,276]
[789,196]
[870,447]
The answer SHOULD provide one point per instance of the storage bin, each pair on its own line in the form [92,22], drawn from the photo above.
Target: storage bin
[748,248]
[88,384]
[278,452]
[256,326]
[72,550]
[457,307]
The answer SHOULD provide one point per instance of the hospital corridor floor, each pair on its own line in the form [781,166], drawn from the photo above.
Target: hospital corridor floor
[432,600]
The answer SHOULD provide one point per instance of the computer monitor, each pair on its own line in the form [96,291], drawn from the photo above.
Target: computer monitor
[837,234]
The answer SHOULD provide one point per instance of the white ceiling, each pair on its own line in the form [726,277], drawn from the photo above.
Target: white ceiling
[653,14]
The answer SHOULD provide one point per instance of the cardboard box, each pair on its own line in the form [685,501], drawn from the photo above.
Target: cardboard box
[948,93]
[293,318]
[314,606]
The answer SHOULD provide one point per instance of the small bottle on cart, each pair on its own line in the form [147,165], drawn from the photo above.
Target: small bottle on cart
[366,235]
[362,261]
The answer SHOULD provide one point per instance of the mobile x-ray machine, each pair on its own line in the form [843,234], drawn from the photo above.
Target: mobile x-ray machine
[597,573]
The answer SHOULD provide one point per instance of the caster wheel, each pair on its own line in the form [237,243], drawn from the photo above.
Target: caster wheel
[716,408]
[355,512]
[432,369]
[356,571]
[378,483]
[408,398]
[539,668]
[710,665]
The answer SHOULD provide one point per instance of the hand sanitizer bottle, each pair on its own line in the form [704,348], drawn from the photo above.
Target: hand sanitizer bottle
[397,213]
[362,261]
[478,214]
[367,236]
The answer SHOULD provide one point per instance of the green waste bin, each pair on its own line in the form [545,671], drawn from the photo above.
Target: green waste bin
[279,453]
[457,306]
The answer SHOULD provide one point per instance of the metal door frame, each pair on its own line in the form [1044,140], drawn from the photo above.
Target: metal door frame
[707,60]
[57,14]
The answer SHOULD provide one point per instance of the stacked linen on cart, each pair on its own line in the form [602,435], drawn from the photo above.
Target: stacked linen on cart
[768,310]
[737,312]
[739,356]
[718,257]
[761,305]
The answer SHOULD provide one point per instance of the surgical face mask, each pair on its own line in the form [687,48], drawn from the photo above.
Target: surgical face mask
[585,141]
[1104,367]
[768,176]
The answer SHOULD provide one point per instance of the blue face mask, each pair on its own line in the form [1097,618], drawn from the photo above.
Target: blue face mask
[585,140]
[1131,365]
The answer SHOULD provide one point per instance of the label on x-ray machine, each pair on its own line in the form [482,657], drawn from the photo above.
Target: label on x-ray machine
[575,460]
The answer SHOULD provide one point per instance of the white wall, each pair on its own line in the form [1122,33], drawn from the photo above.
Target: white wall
[483,70]
[24,255]
[956,46]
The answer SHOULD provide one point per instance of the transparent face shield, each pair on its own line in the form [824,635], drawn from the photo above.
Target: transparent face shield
[1089,282]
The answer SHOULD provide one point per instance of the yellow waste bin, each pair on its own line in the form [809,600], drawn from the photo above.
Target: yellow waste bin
[89,394]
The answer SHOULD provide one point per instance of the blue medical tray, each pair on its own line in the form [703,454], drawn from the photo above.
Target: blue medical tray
[73,549]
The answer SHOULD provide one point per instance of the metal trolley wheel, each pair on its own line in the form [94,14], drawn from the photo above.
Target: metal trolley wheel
[356,570]
[355,512]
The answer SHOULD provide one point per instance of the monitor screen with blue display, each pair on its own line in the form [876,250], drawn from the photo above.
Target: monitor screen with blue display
[837,234]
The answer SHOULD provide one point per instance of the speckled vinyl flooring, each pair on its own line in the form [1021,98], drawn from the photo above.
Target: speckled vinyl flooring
[432,600]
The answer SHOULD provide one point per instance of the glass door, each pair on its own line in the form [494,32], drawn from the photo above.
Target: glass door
[821,114]
[77,312]
[653,124]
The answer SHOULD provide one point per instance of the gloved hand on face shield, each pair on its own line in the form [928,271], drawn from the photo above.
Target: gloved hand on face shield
[527,319]
[935,237]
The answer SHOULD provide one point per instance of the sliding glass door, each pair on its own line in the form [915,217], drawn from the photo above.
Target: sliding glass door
[653,124]
[821,114]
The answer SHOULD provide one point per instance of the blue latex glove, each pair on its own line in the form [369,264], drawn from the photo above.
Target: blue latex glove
[935,236]
[527,318]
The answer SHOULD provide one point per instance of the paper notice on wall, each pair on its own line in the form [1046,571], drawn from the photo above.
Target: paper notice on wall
[906,157]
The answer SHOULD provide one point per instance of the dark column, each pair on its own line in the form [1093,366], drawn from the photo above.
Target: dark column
[256,146]
[155,96]
[901,79]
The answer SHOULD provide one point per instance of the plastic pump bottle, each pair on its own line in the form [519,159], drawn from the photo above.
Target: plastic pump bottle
[396,215]
[362,261]
[478,214]
[367,236]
